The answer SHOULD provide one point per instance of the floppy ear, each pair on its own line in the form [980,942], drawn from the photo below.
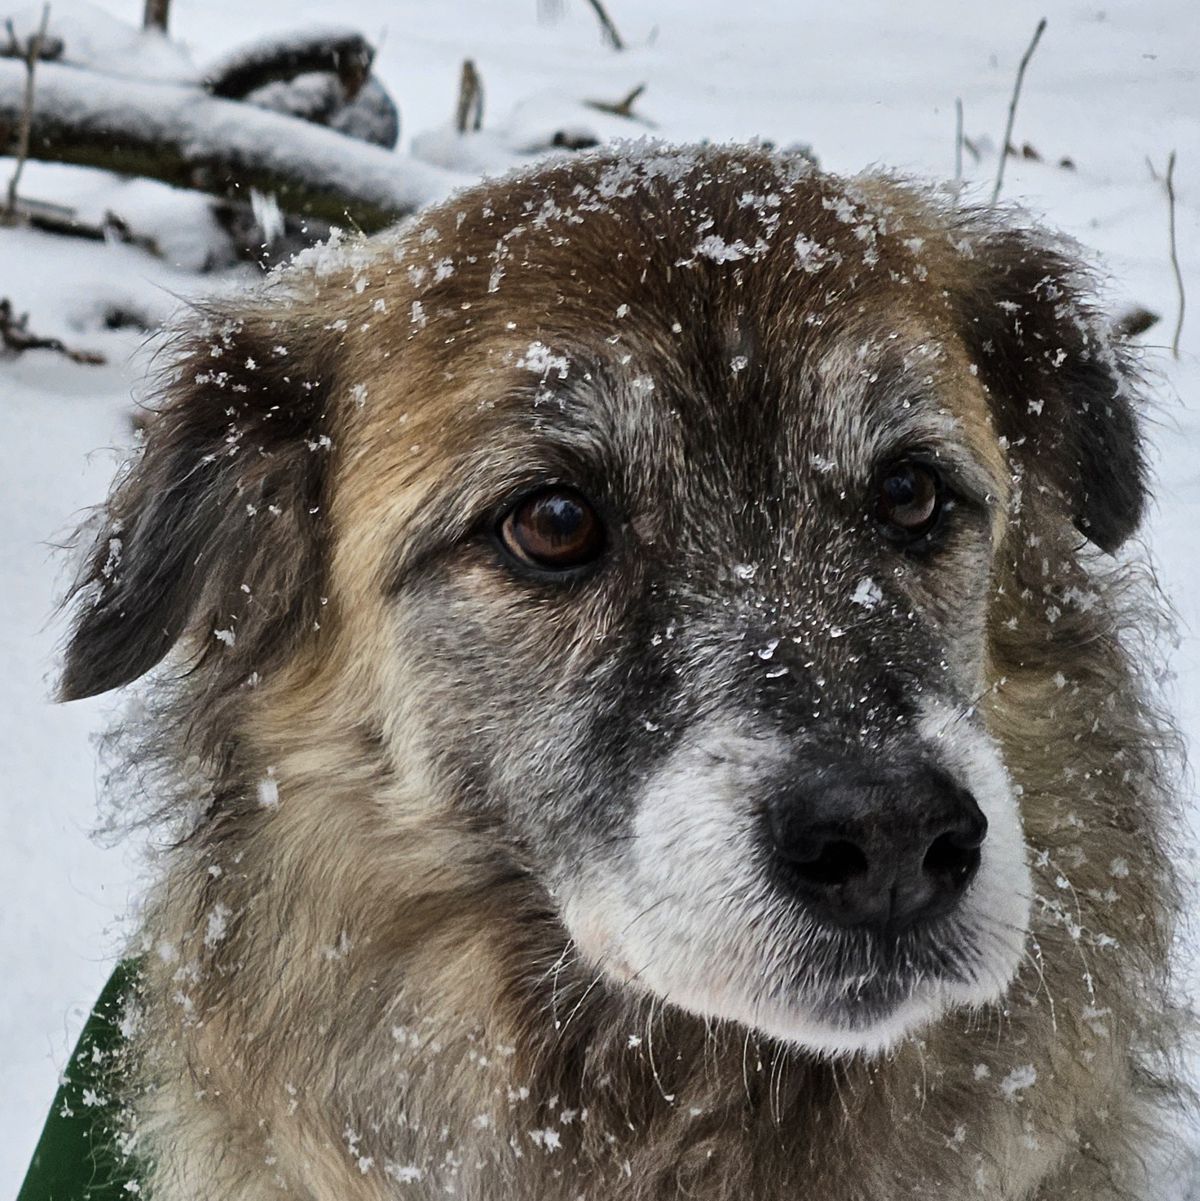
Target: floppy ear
[216,530]
[1061,390]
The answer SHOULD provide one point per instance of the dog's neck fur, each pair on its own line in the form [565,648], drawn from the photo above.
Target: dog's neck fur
[475,1057]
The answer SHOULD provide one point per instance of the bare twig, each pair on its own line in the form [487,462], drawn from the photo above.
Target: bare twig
[16,338]
[1170,182]
[32,53]
[1134,321]
[611,36]
[51,48]
[469,114]
[1012,107]
[622,107]
[958,139]
[155,15]
[63,220]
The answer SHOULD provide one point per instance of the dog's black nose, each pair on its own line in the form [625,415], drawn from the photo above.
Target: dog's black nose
[883,846]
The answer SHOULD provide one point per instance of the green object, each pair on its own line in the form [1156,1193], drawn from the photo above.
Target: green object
[79,1156]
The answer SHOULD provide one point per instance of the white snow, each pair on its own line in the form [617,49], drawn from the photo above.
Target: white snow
[864,82]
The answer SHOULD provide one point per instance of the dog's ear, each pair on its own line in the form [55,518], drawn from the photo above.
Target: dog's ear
[215,532]
[1062,391]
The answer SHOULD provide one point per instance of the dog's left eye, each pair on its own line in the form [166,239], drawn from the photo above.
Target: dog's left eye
[909,501]
[555,529]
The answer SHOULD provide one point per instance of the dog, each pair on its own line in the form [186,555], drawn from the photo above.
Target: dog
[652,707]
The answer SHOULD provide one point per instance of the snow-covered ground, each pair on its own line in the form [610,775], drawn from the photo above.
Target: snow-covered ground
[1111,86]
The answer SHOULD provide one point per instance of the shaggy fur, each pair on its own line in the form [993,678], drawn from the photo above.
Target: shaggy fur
[361,979]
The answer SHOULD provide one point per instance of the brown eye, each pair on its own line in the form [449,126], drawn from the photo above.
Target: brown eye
[555,529]
[909,501]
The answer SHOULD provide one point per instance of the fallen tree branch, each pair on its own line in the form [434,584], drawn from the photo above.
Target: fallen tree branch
[183,137]
[62,220]
[16,338]
[342,52]
[1012,107]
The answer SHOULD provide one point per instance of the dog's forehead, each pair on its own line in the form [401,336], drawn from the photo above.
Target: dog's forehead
[738,313]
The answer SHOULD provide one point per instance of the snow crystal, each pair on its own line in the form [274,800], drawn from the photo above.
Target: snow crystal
[810,255]
[867,593]
[114,558]
[267,214]
[268,790]
[218,924]
[716,248]
[541,360]
[547,1139]
[407,1173]
[1017,1081]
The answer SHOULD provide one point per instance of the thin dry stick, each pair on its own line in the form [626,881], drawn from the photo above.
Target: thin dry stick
[1174,253]
[1012,107]
[958,139]
[469,114]
[32,53]
[619,108]
[610,30]
[16,338]
[155,14]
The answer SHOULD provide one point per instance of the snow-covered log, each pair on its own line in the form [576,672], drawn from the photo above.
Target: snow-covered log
[343,52]
[180,135]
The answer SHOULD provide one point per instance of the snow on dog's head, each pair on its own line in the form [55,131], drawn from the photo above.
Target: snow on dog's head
[649,511]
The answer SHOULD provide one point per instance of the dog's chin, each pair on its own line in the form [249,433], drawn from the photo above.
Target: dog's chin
[832,1017]
[872,1023]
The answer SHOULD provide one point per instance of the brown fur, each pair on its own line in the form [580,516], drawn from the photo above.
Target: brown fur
[361,992]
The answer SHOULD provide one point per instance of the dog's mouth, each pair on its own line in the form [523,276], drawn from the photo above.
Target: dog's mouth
[863,977]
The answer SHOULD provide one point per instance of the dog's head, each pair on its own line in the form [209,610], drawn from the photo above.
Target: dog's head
[651,508]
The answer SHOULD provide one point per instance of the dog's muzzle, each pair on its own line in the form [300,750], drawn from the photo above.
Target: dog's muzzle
[878,847]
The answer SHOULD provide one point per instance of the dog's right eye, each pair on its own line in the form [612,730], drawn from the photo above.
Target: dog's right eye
[554,529]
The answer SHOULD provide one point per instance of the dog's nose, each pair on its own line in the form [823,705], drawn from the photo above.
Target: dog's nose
[883,848]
